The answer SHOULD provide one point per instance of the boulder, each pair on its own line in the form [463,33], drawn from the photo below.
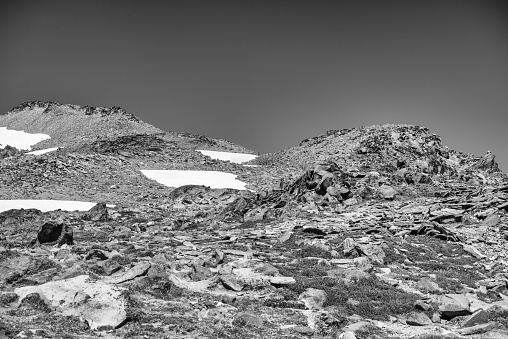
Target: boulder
[418,319]
[453,305]
[386,192]
[97,213]
[477,318]
[101,305]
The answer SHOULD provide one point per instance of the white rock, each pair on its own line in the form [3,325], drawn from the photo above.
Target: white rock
[101,305]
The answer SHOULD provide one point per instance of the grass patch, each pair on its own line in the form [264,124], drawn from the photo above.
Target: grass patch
[370,298]
[448,261]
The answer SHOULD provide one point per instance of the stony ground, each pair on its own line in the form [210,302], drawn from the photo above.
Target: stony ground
[377,232]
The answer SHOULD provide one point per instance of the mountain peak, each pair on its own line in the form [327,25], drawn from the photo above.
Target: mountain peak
[70,109]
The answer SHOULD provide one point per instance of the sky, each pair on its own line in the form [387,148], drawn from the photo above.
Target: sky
[268,74]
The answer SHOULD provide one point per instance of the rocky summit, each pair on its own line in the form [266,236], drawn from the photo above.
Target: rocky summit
[113,228]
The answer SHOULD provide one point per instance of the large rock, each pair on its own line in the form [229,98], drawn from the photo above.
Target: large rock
[97,213]
[418,319]
[101,305]
[453,305]
[477,318]
[51,232]
[386,192]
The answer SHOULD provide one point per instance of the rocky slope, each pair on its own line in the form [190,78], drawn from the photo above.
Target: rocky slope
[73,125]
[375,232]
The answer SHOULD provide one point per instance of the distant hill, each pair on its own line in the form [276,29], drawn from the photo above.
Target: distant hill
[72,125]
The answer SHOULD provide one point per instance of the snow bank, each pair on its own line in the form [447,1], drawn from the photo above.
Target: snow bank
[237,158]
[177,178]
[46,205]
[20,139]
[42,151]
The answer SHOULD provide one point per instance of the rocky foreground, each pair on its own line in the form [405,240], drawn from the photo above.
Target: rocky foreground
[375,232]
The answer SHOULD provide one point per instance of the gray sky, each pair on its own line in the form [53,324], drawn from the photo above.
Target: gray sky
[267,74]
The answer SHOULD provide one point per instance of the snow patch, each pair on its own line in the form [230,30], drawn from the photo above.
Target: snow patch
[42,151]
[237,158]
[177,178]
[20,139]
[46,205]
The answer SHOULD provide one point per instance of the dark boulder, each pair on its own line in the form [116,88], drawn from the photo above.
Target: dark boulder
[51,232]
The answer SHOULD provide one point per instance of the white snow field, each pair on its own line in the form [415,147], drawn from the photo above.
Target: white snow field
[43,151]
[46,205]
[177,178]
[20,139]
[237,158]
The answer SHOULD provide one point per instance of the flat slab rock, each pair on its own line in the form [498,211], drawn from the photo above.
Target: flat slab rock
[101,305]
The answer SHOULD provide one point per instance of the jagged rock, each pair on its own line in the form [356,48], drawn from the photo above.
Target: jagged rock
[97,213]
[486,163]
[101,305]
[478,317]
